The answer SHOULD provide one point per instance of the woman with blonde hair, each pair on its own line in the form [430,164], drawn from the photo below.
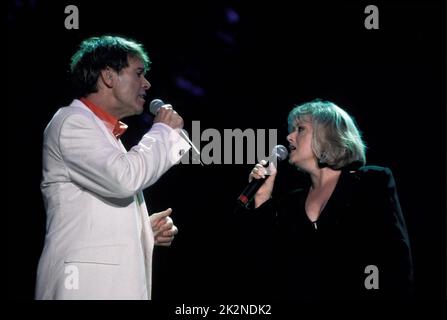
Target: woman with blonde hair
[343,235]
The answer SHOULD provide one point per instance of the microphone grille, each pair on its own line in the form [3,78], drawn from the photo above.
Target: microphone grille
[280,152]
[155,105]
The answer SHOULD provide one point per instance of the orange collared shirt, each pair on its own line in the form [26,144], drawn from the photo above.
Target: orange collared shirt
[116,127]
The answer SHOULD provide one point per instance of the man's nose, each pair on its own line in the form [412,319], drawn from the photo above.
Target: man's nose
[146,84]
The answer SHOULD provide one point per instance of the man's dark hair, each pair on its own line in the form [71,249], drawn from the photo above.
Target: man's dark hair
[96,54]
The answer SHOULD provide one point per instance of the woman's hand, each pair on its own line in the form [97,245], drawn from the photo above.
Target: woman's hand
[269,174]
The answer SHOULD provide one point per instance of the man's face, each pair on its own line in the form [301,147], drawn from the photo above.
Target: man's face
[130,88]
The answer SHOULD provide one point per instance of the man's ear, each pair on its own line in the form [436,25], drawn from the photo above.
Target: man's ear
[107,77]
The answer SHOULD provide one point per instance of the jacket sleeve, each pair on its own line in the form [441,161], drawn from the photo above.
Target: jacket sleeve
[95,164]
[389,245]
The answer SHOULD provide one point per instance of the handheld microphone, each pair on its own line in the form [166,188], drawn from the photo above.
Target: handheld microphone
[279,153]
[155,106]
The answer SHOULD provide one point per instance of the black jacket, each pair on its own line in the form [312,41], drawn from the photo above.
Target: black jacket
[361,225]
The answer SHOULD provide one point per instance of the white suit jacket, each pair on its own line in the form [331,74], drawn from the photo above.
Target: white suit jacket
[99,240]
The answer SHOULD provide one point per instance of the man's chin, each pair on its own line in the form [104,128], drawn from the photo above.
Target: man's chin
[139,110]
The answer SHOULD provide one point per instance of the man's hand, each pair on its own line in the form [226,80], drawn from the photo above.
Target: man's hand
[169,116]
[163,227]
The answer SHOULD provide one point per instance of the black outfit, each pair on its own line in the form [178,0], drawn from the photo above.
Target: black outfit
[361,225]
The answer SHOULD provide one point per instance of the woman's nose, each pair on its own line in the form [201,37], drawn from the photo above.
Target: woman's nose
[290,137]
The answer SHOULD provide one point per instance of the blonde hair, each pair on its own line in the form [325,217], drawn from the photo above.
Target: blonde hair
[336,140]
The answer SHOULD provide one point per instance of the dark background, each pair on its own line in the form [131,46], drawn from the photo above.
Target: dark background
[233,65]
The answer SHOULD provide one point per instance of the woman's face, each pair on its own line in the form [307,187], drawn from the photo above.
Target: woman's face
[300,145]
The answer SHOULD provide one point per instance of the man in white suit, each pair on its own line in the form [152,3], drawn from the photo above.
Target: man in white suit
[99,236]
